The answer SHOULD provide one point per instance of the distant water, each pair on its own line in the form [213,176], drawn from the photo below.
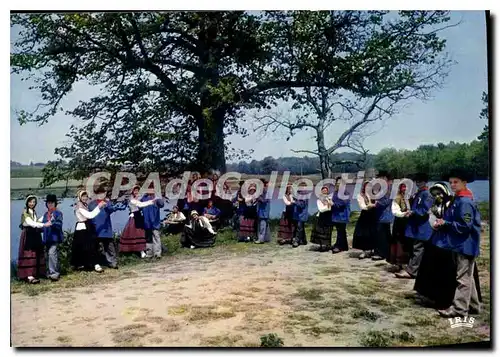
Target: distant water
[480,189]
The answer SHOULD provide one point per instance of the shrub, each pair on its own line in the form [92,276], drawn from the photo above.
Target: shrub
[484,210]
[271,341]
[375,339]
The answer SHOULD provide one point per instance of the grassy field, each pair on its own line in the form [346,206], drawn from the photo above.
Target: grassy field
[26,171]
[238,295]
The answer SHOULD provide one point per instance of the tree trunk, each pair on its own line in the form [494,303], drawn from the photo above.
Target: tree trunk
[324,161]
[211,152]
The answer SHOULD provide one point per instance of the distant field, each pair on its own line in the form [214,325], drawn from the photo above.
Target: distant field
[26,171]
[21,183]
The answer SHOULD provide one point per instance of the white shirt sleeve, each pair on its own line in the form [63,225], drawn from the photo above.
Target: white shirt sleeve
[362,203]
[322,207]
[87,214]
[287,201]
[140,204]
[206,223]
[396,210]
[181,217]
[30,222]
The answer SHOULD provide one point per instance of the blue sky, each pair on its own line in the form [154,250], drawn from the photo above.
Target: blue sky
[451,115]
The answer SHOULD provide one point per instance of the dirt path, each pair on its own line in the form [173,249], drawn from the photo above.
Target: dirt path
[307,298]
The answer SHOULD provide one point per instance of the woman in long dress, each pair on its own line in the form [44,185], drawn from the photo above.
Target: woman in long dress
[436,282]
[285,230]
[322,229]
[31,258]
[133,237]
[366,227]
[84,250]
[400,246]
[248,222]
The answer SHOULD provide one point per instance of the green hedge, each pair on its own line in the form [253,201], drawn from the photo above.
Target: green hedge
[484,210]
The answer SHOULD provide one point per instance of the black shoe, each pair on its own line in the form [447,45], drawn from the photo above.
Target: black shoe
[113,266]
[449,312]
[473,311]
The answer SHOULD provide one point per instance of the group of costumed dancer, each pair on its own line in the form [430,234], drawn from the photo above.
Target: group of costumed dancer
[141,234]
[434,238]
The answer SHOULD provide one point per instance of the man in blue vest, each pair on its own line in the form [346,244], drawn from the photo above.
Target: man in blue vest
[52,235]
[300,217]
[263,209]
[459,231]
[418,228]
[103,227]
[383,210]
[341,210]
[152,224]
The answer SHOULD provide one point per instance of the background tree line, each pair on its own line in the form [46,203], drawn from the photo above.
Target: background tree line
[434,159]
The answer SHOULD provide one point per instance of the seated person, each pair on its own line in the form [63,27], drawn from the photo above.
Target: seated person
[212,213]
[174,223]
[198,233]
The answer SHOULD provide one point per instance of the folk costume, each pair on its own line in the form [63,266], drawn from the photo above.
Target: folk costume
[322,228]
[285,230]
[300,217]
[133,237]
[365,232]
[238,209]
[400,246]
[31,258]
[84,250]
[384,217]
[418,228]
[152,223]
[104,229]
[53,236]
[263,211]
[213,215]
[174,224]
[341,211]
[460,234]
[248,221]
[198,233]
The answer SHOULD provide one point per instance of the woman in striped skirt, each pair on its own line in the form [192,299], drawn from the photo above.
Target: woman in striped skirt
[285,230]
[31,258]
[400,245]
[133,237]
[322,229]
[248,222]
[84,250]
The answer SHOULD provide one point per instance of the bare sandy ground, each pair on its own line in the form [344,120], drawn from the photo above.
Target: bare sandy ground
[307,298]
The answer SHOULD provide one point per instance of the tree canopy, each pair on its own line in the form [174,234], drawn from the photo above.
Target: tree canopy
[400,59]
[172,85]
